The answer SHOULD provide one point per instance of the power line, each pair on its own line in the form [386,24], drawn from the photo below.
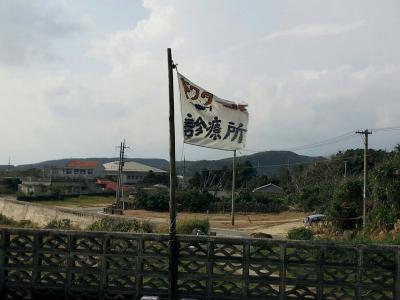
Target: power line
[386,128]
[326,142]
[328,160]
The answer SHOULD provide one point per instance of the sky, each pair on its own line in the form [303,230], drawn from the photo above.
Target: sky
[77,77]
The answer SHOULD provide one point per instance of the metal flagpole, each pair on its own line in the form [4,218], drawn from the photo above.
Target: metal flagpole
[233,189]
[173,250]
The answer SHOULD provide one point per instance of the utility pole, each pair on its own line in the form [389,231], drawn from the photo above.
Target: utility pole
[365,138]
[345,169]
[117,195]
[233,188]
[173,247]
[184,169]
[120,181]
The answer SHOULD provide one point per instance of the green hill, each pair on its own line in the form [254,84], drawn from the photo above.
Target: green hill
[266,162]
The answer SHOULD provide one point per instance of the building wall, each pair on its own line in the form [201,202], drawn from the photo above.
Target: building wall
[41,214]
[127,177]
[89,173]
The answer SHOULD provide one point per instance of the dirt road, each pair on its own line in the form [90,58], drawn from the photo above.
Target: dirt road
[276,224]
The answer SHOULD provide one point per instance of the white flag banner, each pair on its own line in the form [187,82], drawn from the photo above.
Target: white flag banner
[209,121]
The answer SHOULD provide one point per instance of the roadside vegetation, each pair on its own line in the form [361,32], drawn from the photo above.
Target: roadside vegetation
[8,222]
[333,187]
[188,226]
[184,226]
[109,224]
[79,201]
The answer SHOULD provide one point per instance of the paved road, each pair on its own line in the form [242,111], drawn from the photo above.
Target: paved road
[230,232]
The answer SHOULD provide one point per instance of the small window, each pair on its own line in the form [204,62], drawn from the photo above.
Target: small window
[69,171]
[76,171]
[83,171]
[90,172]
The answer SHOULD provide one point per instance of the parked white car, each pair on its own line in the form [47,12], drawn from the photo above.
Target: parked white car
[312,219]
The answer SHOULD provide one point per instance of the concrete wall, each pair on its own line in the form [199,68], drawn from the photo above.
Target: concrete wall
[41,214]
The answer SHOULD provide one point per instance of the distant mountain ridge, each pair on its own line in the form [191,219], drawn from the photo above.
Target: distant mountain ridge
[153,162]
[266,162]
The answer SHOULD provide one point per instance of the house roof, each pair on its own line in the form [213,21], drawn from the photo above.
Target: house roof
[268,186]
[82,164]
[131,166]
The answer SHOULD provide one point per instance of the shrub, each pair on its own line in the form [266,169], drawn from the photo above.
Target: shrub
[110,224]
[22,224]
[153,200]
[194,200]
[300,233]
[244,196]
[6,221]
[186,226]
[26,224]
[346,205]
[60,224]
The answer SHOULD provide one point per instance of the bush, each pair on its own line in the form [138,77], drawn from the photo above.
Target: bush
[186,226]
[60,224]
[300,233]
[194,200]
[346,206]
[7,221]
[153,200]
[244,196]
[21,224]
[110,224]
[26,224]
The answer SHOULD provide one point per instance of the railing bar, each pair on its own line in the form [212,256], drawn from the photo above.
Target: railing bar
[210,265]
[282,285]
[397,274]
[246,262]
[320,290]
[36,263]
[359,273]
[70,242]
[139,269]
[3,261]
[103,275]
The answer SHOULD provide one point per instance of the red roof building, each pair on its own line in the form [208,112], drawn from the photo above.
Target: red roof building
[82,164]
[77,169]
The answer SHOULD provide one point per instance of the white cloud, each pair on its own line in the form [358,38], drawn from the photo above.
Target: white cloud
[29,29]
[307,31]
[297,92]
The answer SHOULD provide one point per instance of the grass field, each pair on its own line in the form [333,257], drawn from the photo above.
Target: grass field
[81,201]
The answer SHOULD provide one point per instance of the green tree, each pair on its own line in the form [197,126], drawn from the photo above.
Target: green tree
[345,208]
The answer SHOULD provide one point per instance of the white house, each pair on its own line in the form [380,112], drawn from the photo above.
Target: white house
[132,173]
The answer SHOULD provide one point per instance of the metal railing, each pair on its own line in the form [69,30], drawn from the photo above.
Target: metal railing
[53,264]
